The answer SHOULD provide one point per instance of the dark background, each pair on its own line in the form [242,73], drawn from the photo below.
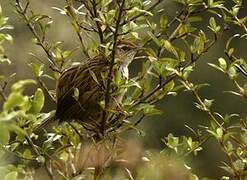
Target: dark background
[178,110]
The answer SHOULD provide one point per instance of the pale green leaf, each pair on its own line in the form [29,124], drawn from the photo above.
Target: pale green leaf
[37,102]
[14,99]
[11,176]
[4,135]
[19,85]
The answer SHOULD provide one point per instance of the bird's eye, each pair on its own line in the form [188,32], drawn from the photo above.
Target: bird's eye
[125,48]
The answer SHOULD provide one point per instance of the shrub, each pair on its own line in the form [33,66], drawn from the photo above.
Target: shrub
[169,49]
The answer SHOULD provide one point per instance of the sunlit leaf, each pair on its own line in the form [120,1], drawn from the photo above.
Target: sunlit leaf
[37,69]
[20,85]
[14,99]
[11,176]
[37,102]
[4,135]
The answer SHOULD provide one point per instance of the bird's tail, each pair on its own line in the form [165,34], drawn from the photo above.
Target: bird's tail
[44,121]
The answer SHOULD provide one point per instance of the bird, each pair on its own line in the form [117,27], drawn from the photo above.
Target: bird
[80,89]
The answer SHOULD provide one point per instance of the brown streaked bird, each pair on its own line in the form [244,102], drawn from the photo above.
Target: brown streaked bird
[87,79]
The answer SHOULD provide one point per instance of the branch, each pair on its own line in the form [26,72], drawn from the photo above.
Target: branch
[45,89]
[101,37]
[108,85]
[141,14]
[2,94]
[174,75]
[241,23]
[23,12]
[94,14]
[150,94]
[77,27]
[232,58]
[200,101]
[213,118]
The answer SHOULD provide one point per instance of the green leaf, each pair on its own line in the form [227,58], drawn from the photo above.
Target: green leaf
[135,10]
[239,165]
[26,104]
[244,137]
[40,17]
[68,53]
[4,59]
[41,159]
[148,109]
[213,26]
[198,45]
[110,16]
[232,72]
[222,63]
[218,133]
[193,177]
[187,71]
[135,35]
[19,85]
[228,169]
[230,51]
[159,68]
[61,11]
[105,3]
[195,19]
[37,102]
[117,78]
[165,90]
[163,22]
[37,69]
[154,38]
[169,86]
[216,67]
[4,116]
[208,103]
[14,99]
[170,48]
[4,135]
[11,176]
[27,154]
[172,142]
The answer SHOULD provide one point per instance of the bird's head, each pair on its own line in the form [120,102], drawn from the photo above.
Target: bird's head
[125,52]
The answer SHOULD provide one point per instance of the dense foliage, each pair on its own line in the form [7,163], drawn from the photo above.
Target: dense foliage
[169,51]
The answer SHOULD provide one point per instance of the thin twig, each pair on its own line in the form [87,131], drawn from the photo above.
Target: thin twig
[108,85]
[200,101]
[199,145]
[23,12]
[94,14]
[213,118]
[150,94]
[141,14]
[233,58]
[2,94]
[100,32]
[45,89]
[226,151]
[77,30]
[139,120]
[174,75]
